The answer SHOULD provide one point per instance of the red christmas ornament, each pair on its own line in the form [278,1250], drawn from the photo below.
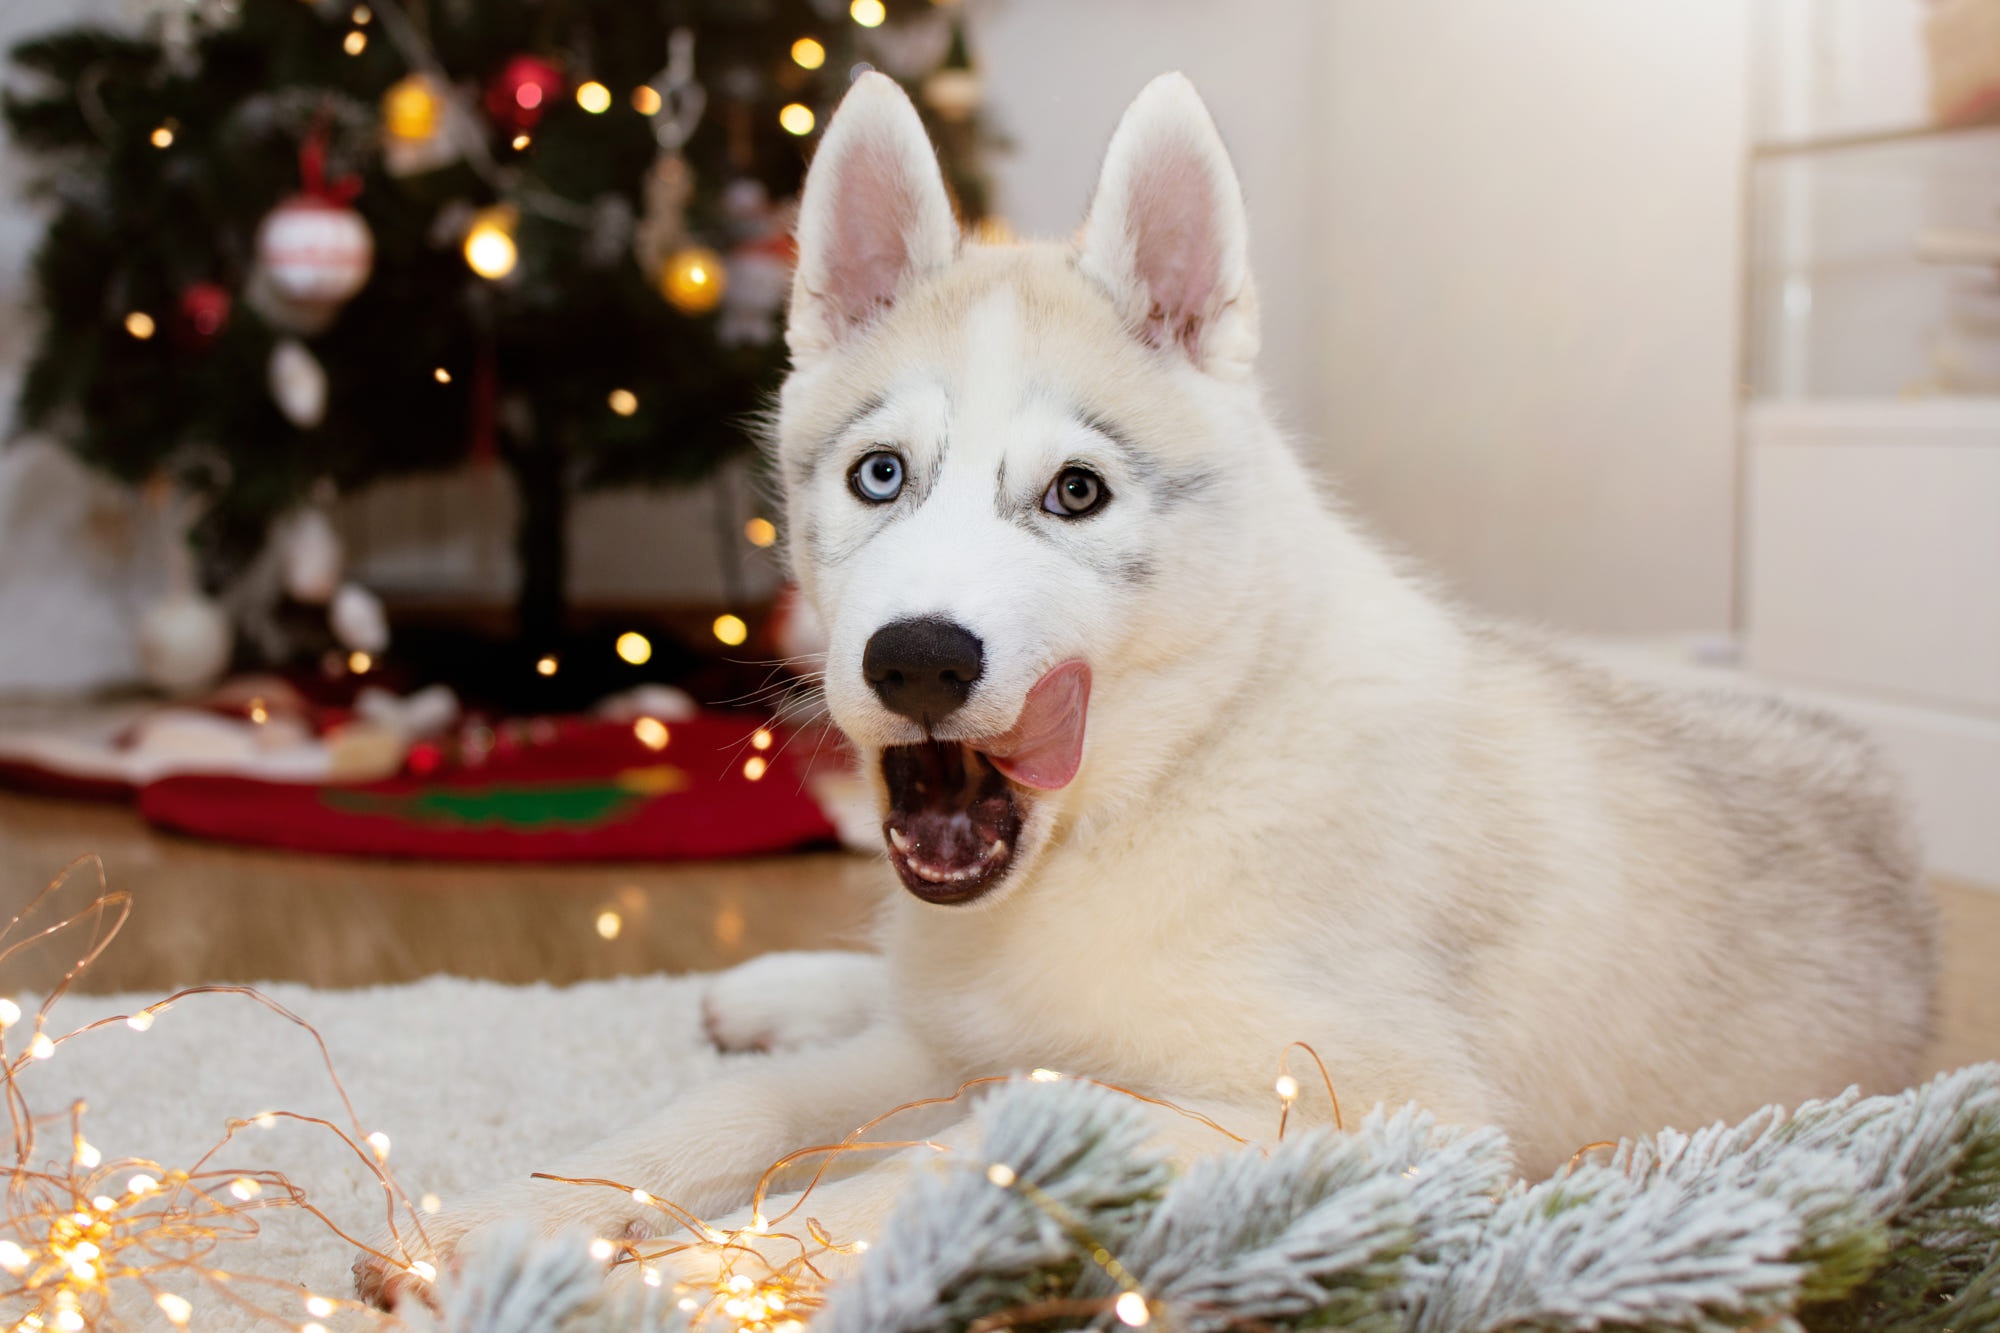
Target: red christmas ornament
[525,87]
[204,314]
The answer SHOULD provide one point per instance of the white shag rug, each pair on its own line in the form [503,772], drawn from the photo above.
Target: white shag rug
[473,1082]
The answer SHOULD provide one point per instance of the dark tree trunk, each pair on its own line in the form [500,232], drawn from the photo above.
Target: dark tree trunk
[541,543]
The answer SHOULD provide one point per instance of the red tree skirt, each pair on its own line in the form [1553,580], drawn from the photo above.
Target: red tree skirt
[572,790]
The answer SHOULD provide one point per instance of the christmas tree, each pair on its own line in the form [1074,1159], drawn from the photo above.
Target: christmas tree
[296,242]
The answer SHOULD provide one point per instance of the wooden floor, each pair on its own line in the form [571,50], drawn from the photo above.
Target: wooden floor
[205,913]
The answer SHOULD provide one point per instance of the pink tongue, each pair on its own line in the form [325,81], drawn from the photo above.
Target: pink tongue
[1044,747]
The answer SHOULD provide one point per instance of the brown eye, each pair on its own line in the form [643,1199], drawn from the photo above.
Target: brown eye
[1075,492]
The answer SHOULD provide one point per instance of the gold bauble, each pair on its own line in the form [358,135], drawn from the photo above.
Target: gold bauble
[412,108]
[693,279]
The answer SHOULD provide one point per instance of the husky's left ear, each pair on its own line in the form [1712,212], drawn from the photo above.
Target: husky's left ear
[1167,236]
[873,216]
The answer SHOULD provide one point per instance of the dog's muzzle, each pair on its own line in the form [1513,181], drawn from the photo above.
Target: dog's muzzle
[956,807]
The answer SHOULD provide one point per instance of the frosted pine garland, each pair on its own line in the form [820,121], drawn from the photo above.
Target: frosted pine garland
[1879,1214]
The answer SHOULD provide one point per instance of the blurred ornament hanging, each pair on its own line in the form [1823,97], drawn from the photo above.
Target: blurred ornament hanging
[421,126]
[954,90]
[204,314]
[759,271]
[359,621]
[298,383]
[524,88]
[662,228]
[310,555]
[313,251]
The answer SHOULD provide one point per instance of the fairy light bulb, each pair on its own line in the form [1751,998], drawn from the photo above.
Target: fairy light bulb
[319,1307]
[797,118]
[41,1047]
[1288,1087]
[176,1308]
[140,1186]
[355,42]
[245,1189]
[646,100]
[593,97]
[360,663]
[808,54]
[431,1204]
[868,13]
[140,325]
[489,246]
[730,630]
[87,1156]
[441,375]
[755,767]
[610,925]
[1001,1174]
[760,739]
[1130,1307]
[634,648]
[650,732]
[602,1249]
[546,665]
[623,402]
[379,1142]
[12,1257]
[141,1021]
[163,135]
[693,279]
[425,1270]
[10,1013]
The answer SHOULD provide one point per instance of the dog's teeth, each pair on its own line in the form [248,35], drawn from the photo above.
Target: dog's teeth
[997,852]
[898,841]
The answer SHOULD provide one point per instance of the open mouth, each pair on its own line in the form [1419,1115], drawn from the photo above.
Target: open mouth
[956,807]
[953,821]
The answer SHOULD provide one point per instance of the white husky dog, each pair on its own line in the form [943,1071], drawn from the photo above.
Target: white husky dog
[1177,767]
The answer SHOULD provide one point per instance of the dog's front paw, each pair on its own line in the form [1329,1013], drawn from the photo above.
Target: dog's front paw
[782,1001]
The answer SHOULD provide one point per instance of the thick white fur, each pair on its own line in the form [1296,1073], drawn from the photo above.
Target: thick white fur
[1316,803]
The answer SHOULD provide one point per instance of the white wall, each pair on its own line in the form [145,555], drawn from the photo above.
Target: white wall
[1059,73]
[1530,277]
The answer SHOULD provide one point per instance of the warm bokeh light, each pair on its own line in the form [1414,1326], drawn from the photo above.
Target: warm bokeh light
[760,532]
[521,142]
[360,663]
[624,402]
[808,54]
[546,664]
[731,629]
[646,100]
[609,923]
[411,109]
[355,43]
[797,118]
[489,243]
[651,732]
[163,137]
[760,739]
[441,375]
[635,648]
[693,280]
[755,767]
[593,97]
[139,324]
[868,13]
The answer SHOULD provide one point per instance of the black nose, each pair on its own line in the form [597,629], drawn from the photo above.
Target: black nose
[922,668]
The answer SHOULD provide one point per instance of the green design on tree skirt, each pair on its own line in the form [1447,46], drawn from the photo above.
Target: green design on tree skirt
[541,805]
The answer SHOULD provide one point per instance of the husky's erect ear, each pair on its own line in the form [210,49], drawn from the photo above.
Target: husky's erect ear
[874,215]
[1167,236]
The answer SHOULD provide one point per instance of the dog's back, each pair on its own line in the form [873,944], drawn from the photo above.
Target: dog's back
[1757,927]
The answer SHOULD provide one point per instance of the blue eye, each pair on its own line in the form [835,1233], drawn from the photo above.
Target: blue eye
[878,478]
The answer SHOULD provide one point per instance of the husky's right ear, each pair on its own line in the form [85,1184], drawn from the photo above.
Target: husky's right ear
[874,215]
[1167,237]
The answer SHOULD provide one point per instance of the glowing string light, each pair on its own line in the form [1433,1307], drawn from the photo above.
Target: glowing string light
[808,54]
[797,118]
[140,325]
[868,13]
[379,1142]
[634,647]
[593,97]
[355,42]
[731,630]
